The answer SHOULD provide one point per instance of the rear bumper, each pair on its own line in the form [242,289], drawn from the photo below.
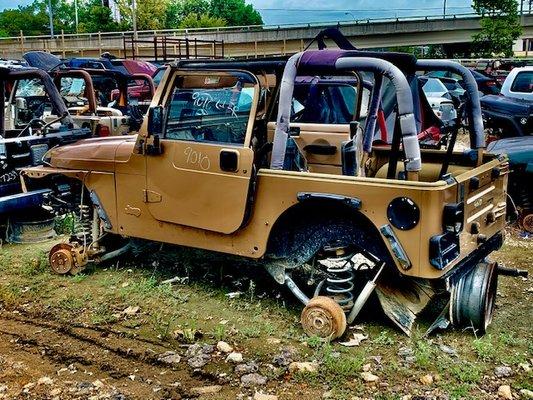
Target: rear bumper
[466,264]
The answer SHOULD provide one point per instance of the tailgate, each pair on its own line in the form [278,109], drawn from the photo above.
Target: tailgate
[483,191]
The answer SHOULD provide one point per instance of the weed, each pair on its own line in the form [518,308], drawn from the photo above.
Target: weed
[252,331]
[220,332]
[9,295]
[423,353]
[509,339]
[466,372]
[314,342]
[384,339]
[484,348]
[103,314]
[79,278]
[74,303]
[162,324]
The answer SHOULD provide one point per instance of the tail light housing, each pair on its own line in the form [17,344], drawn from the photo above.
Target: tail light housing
[102,130]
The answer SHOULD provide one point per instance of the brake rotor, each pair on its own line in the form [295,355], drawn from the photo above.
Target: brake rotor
[61,258]
[324,318]
[527,223]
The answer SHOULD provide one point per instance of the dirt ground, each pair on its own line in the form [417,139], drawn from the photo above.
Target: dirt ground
[117,331]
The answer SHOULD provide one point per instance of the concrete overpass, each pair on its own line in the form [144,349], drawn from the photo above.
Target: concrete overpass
[253,41]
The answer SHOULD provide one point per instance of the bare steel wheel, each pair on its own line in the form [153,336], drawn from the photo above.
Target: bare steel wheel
[324,318]
[473,298]
[61,259]
[527,222]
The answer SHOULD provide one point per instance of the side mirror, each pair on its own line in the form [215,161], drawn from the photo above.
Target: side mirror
[155,120]
[21,103]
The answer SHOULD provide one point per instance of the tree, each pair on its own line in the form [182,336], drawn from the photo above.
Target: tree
[201,21]
[235,12]
[178,10]
[151,14]
[500,27]
[94,17]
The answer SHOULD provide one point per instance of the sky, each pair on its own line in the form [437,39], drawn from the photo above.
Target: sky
[305,11]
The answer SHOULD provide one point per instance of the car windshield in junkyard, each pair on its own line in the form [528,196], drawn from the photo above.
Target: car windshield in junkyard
[30,88]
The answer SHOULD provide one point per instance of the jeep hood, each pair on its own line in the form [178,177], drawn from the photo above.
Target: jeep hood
[98,154]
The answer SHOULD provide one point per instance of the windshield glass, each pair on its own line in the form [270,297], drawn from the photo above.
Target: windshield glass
[434,86]
[30,87]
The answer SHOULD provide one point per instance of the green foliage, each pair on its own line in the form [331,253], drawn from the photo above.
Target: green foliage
[93,17]
[151,15]
[201,21]
[235,12]
[500,27]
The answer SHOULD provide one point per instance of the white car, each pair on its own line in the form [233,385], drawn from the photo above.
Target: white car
[439,99]
[519,84]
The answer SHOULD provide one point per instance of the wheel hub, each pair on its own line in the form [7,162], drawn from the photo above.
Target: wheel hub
[61,259]
[323,317]
[527,223]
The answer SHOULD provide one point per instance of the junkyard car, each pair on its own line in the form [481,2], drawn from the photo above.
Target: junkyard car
[102,99]
[24,139]
[213,167]
[520,153]
[511,113]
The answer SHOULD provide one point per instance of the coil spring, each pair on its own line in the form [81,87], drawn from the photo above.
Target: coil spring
[339,285]
[82,227]
[340,276]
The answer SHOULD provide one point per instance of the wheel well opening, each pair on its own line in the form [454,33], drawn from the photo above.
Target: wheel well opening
[302,230]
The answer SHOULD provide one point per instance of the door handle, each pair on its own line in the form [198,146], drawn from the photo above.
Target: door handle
[229,160]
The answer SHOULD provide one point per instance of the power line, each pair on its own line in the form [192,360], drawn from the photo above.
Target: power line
[360,9]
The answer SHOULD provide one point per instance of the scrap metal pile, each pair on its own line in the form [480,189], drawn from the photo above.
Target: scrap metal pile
[335,170]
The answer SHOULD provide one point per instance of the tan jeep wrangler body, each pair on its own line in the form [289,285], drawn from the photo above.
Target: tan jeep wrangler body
[198,175]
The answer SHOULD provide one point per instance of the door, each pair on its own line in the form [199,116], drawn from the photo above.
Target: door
[202,177]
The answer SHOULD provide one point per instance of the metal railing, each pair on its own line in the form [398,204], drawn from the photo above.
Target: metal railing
[164,48]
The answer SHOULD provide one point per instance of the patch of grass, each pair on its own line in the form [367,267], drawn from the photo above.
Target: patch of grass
[163,323]
[423,353]
[460,391]
[384,339]
[466,372]
[103,314]
[9,295]
[74,303]
[509,339]
[485,348]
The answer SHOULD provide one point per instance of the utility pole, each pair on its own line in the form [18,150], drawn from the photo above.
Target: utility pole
[50,14]
[134,17]
[444,10]
[76,13]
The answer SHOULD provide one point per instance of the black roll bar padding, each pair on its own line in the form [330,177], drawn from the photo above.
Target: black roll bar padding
[372,114]
[477,131]
[394,153]
[334,35]
[57,102]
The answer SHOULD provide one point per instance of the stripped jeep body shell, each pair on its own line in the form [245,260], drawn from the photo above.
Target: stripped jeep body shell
[182,191]
[106,101]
